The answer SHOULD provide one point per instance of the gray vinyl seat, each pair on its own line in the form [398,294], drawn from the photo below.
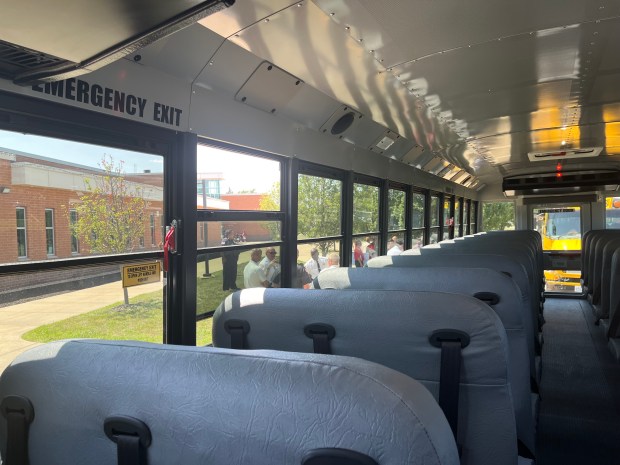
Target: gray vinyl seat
[589,264]
[500,263]
[497,244]
[492,287]
[612,324]
[510,253]
[586,238]
[601,309]
[596,264]
[392,328]
[216,406]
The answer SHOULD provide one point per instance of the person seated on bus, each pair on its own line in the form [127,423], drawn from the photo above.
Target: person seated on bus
[316,264]
[253,274]
[333,261]
[397,249]
[271,265]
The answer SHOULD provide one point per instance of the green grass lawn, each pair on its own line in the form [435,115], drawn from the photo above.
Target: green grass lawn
[142,319]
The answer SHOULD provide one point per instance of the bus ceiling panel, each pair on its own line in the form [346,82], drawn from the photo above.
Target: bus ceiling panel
[400,31]
[269,88]
[244,14]
[513,62]
[87,35]
[184,54]
[227,69]
[232,67]
[326,57]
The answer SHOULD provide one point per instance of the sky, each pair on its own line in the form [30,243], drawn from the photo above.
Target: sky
[241,172]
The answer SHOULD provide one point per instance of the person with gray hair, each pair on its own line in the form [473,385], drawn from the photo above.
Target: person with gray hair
[333,261]
[271,265]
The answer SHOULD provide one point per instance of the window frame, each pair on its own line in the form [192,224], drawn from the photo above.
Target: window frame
[425,213]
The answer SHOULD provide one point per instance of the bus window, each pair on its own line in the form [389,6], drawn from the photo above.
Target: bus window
[319,216]
[396,221]
[434,226]
[448,218]
[65,202]
[560,229]
[228,180]
[418,218]
[498,216]
[612,213]
[365,222]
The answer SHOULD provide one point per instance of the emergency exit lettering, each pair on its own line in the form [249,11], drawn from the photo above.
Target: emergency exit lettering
[166,114]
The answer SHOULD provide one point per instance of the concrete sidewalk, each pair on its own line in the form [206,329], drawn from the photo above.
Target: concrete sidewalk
[18,319]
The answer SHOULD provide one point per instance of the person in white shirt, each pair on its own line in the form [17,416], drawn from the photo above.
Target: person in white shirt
[253,274]
[316,264]
[270,265]
[397,249]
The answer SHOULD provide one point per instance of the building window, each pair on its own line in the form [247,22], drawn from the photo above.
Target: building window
[153,229]
[73,217]
[22,250]
[49,231]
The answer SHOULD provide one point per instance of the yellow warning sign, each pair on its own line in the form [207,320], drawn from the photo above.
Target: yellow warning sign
[144,273]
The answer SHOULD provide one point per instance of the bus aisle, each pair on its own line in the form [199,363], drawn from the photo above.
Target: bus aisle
[579,419]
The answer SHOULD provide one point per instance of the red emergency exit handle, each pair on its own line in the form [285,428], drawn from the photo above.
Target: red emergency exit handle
[169,245]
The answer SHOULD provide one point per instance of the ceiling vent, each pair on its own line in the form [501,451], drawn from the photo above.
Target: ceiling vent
[15,60]
[565,154]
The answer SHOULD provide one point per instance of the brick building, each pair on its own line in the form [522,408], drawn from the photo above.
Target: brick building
[37,200]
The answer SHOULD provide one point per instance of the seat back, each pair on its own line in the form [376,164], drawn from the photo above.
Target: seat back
[213,406]
[596,270]
[602,310]
[495,289]
[393,328]
[614,297]
[464,259]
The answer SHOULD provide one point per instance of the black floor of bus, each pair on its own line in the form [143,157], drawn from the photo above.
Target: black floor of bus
[579,418]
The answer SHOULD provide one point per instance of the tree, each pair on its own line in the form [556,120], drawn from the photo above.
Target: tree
[318,208]
[396,201]
[111,215]
[318,203]
[271,202]
[497,216]
[365,208]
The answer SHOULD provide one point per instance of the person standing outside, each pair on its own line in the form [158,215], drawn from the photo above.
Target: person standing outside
[358,254]
[253,274]
[229,263]
[316,264]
